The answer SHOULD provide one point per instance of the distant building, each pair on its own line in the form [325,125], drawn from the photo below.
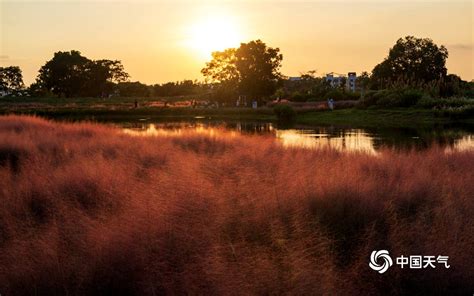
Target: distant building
[4,93]
[336,80]
[295,78]
[351,80]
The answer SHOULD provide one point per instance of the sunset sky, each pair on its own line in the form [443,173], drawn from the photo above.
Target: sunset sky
[171,40]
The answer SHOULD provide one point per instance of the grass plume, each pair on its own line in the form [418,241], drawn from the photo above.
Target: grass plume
[87,209]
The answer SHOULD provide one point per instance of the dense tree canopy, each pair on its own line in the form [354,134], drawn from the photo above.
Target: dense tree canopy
[222,68]
[179,88]
[168,89]
[251,70]
[71,74]
[101,75]
[133,89]
[258,66]
[11,79]
[413,60]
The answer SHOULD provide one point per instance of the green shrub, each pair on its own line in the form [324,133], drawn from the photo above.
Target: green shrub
[371,98]
[427,102]
[409,97]
[298,97]
[456,112]
[314,99]
[335,94]
[284,112]
[352,96]
[391,98]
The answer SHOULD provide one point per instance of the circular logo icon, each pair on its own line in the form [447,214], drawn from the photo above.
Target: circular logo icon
[382,255]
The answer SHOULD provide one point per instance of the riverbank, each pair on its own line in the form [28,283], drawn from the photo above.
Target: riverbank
[123,109]
[344,117]
[407,117]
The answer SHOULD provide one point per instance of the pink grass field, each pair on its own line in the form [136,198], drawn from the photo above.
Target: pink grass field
[86,209]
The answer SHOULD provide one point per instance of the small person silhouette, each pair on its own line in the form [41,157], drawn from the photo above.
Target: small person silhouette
[136,104]
[331,104]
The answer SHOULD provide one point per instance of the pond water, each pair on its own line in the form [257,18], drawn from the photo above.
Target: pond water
[342,138]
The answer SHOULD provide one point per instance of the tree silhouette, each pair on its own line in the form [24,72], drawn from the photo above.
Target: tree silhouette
[411,60]
[101,76]
[258,66]
[71,74]
[64,73]
[251,70]
[11,79]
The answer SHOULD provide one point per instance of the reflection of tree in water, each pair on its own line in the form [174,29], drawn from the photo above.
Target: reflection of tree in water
[251,127]
[369,139]
[240,126]
[398,138]
[422,138]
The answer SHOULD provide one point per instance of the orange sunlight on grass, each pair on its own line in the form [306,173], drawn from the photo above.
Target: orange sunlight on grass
[87,208]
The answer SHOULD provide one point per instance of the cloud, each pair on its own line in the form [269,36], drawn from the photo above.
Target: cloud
[461,46]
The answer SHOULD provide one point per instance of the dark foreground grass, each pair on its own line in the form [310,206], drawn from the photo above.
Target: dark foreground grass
[87,210]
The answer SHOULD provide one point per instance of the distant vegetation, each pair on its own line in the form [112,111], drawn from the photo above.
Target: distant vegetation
[88,210]
[414,71]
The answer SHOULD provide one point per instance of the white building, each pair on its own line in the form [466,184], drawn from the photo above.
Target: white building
[351,81]
[335,80]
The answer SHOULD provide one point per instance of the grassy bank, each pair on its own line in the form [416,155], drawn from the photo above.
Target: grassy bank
[406,117]
[412,118]
[122,109]
[89,210]
[157,114]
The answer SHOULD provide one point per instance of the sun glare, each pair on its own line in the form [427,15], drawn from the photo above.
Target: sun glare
[214,34]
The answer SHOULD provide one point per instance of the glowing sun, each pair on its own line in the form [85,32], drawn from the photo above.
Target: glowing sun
[214,34]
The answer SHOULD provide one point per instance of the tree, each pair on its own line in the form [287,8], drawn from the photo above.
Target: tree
[133,89]
[413,61]
[258,66]
[64,73]
[222,68]
[363,81]
[222,72]
[101,76]
[452,85]
[11,79]
[71,74]
[251,70]
[179,88]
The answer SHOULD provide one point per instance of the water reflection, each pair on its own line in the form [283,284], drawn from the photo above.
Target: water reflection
[464,143]
[348,139]
[353,139]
